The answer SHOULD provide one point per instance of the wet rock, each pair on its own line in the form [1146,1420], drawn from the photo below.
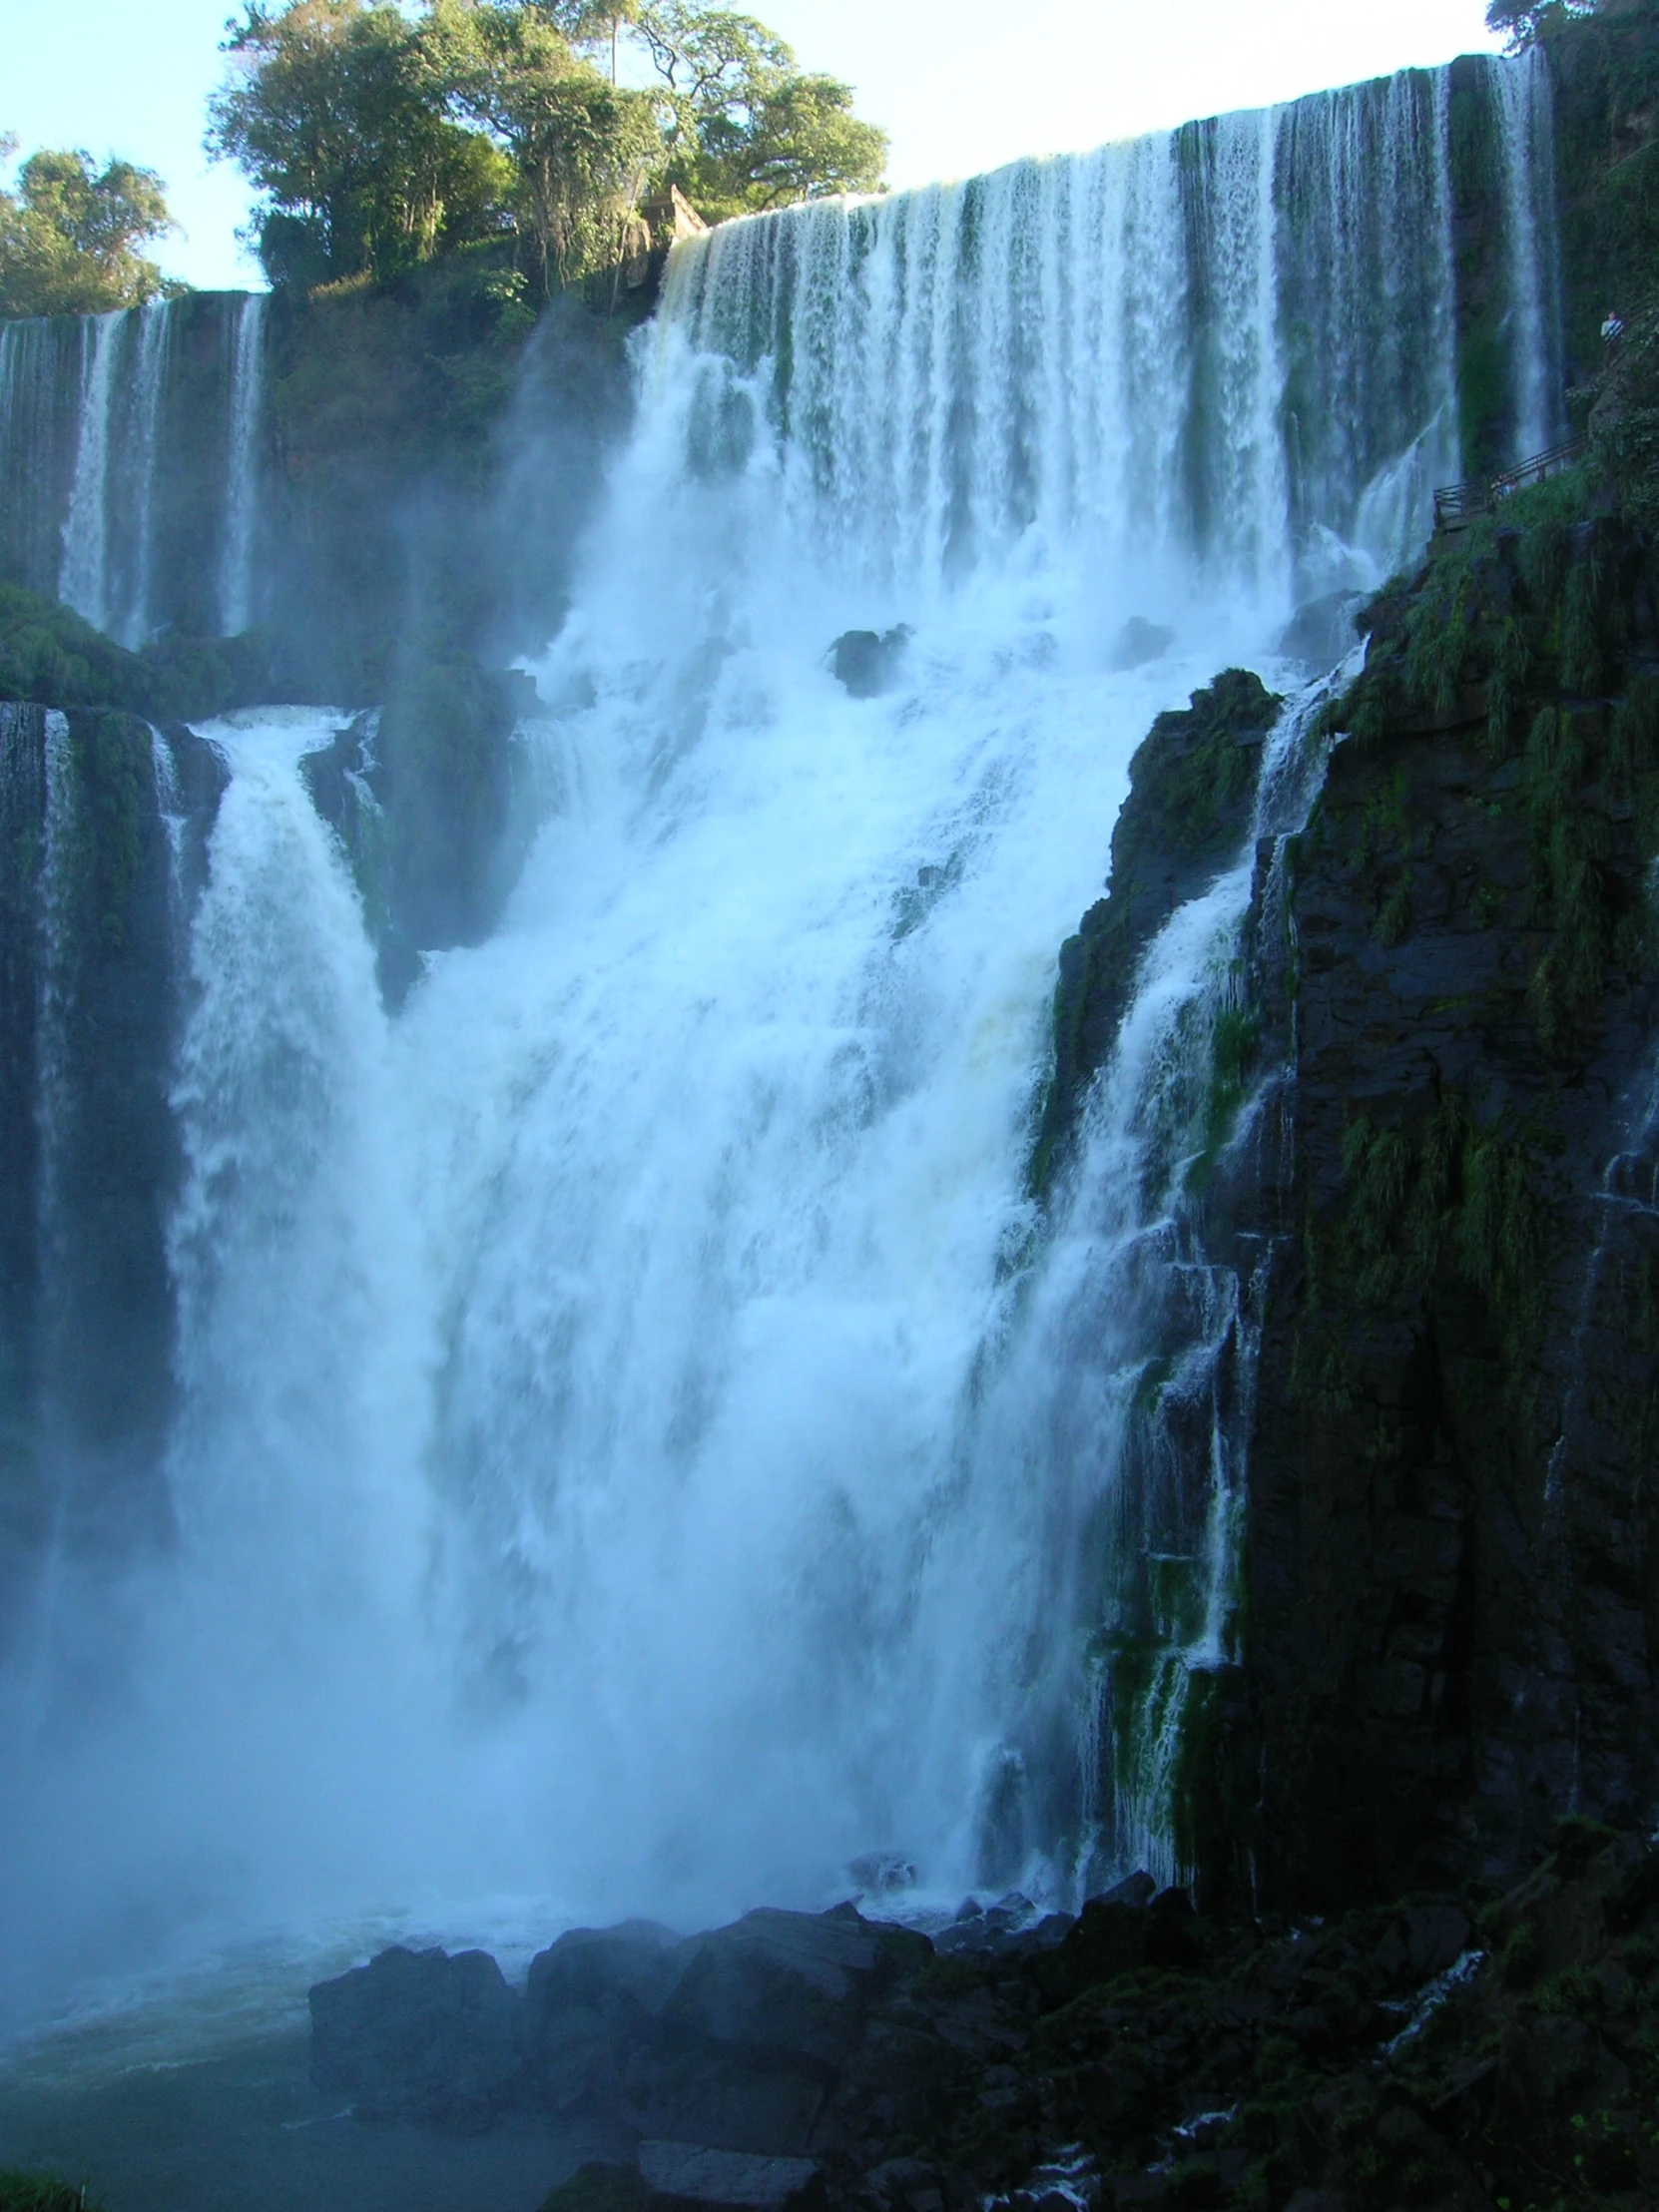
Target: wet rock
[588,2002]
[692,2175]
[1321,631]
[747,2049]
[419,2035]
[1138,642]
[1134,1889]
[887,1873]
[868,663]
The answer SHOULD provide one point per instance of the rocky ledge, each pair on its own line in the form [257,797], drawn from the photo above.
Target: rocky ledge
[1457,2051]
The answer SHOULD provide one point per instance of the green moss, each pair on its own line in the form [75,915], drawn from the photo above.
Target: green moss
[1233,1051]
[49,654]
[114,793]
[1447,1200]
[600,2186]
[27,2192]
[1577,889]
[1190,785]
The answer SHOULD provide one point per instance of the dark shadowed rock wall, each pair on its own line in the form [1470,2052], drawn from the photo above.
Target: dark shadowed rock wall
[104,822]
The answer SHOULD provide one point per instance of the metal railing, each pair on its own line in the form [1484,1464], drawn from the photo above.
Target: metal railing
[1456,504]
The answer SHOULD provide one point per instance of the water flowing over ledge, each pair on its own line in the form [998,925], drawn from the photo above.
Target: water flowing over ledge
[639,1441]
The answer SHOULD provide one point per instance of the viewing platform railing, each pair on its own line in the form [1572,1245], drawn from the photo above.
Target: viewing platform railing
[1457,504]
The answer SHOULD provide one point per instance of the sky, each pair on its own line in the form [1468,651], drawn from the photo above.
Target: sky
[960,85]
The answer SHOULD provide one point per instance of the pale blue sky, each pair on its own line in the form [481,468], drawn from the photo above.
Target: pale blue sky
[959,83]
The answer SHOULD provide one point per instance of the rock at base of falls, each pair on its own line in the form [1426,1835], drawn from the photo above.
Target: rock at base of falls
[727,2180]
[867,661]
[1139,642]
[734,2038]
[1152,2056]
[417,2034]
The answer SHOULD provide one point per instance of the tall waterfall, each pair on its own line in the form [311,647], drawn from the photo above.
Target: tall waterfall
[242,486]
[641,1443]
[130,454]
[1534,309]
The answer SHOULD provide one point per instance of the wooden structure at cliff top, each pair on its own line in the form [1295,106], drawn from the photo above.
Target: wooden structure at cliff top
[1457,505]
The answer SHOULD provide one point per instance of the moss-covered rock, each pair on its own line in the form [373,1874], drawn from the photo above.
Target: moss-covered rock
[1191,786]
[50,656]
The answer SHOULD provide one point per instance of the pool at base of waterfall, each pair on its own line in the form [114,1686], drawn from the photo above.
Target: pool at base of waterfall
[245,2129]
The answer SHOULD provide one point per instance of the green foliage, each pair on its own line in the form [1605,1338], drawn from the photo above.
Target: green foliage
[379,139]
[747,131]
[70,235]
[1524,22]
[50,655]
[1235,1045]
[26,2192]
[1624,424]
[1576,888]
[581,149]
[1447,1200]
[338,113]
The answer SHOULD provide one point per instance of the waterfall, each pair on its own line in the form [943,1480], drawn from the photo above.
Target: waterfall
[236,571]
[1524,118]
[641,1443]
[32,469]
[1221,343]
[153,326]
[82,580]
[129,461]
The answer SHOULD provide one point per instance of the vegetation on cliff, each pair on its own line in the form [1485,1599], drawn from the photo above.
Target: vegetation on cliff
[49,654]
[1191,783]
[379,140]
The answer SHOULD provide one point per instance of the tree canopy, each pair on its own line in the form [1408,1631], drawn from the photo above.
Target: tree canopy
[70,235]
[379,138]
[1524,22]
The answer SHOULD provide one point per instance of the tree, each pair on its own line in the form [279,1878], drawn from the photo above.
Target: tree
[582,147]
[379,138]
[750,132]
[70,235]
[339,112]
[1524,22]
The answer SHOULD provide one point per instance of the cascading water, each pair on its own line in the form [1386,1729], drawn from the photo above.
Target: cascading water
[134,625]
[1524,107]
[236,570]
[82,580]
[640,1443]
[128,453]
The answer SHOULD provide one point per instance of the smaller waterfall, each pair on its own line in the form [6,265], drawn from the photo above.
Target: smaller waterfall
[1522,99]
[236,573]
[1126,1401]
[82,580]
[154,323]
[32,462]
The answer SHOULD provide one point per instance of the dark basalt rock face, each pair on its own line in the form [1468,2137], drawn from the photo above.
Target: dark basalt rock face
[867,661]
[1451,1554]
[1451,1557]
[92,899]
[1192,785]
[1450,2051]
[735,2039]
[419,2034]
[428,795]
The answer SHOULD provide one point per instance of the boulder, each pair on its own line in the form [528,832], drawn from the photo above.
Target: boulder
[691,2174]
[1140,641]
[417,2034]
[589,1999]
[868,663]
